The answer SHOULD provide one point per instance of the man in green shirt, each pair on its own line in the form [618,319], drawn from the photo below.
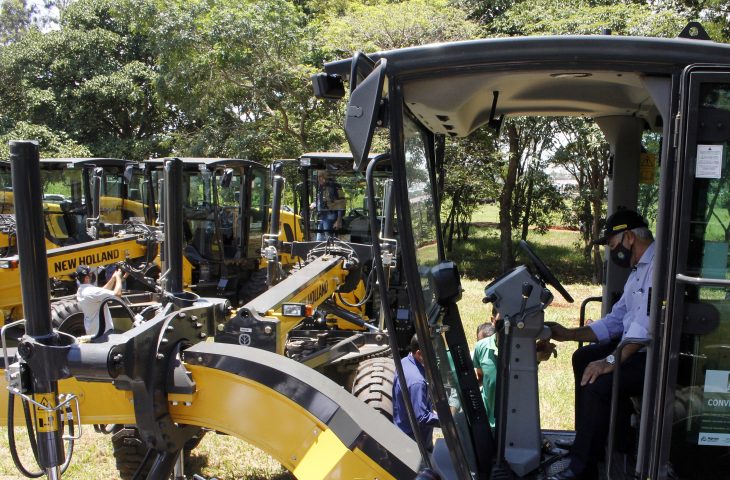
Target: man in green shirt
[485,363]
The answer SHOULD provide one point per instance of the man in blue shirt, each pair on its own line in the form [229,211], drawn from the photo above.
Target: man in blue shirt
[631,244]
[418,391]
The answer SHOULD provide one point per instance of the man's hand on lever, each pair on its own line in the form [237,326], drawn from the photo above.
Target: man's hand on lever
[544,349]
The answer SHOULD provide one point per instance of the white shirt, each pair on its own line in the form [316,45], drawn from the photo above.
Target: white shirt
[629,317]
[90,298]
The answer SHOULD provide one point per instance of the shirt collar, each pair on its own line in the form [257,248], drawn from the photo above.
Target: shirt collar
[648,255]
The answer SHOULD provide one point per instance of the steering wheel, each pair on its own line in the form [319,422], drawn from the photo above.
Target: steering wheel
[545,272]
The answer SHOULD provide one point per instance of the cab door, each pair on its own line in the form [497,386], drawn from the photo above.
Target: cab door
[691,439]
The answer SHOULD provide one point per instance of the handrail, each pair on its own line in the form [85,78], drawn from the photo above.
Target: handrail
[614,398]
[582,318]
[703,281]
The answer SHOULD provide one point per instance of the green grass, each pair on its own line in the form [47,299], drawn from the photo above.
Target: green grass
[478,257]
[217,456]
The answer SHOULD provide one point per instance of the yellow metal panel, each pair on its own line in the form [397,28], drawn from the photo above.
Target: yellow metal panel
[328,457]
[63,264]
[99,402]
[275,424]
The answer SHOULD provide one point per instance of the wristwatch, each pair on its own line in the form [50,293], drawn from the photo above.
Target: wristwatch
[611,359]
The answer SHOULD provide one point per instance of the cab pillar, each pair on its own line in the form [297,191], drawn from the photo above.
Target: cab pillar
[623,134]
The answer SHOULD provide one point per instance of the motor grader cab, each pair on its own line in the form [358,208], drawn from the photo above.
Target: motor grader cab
[678,88]
[226,211]
[68,188]
[346,183]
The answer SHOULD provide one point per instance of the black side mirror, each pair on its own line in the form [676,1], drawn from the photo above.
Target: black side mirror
[363,112]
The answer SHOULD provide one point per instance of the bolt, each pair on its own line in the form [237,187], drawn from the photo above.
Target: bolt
[267,330]
[221,327]
[198,324]
[174,403]
[193,318]
[181,315]
[170,328]
[378,338]
[187,404]
[203,335]
[25,350]
[117,358]
[200,359]
[160,356]
[520,324]
[164,340]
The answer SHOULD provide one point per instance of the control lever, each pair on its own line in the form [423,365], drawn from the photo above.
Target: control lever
[546,297]
[526,292]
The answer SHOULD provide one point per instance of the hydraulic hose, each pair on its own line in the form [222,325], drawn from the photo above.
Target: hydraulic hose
[12,446]
[368,293]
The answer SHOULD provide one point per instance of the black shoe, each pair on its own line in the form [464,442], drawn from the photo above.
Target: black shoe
[565,443]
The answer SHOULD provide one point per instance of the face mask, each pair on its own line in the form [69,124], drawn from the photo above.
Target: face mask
[621,255]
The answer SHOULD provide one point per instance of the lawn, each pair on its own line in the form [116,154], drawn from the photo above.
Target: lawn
[227,458]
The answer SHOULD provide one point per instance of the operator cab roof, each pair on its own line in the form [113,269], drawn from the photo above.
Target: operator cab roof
[451,87]
[210,163]
[63,163]
[335,161]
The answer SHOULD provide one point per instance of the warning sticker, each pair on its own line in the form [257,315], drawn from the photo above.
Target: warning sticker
[45,420]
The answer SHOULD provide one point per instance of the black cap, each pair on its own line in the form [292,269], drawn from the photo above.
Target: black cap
[82,271]
[619,222]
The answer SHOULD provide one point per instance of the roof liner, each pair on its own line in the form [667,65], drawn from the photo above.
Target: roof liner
[457,80]
[463,103]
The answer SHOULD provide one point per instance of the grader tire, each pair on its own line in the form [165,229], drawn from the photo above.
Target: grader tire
[254,286]
[67,316]
[130,450]
[374,384]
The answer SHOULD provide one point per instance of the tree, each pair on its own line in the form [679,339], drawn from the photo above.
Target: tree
[51,144]
[545,17]
[375,26]
[469,177]
[584,153]
[15,19]
[239,75]
[520,202]
[92,79]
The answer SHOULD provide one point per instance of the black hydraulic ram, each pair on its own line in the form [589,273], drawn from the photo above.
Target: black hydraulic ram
[25,166]
[174,225]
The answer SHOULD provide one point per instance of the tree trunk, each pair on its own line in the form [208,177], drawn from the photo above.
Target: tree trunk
[528,206]
[596,233]
[505,200]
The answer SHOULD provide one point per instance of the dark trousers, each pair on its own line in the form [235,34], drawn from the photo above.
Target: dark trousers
[593,403]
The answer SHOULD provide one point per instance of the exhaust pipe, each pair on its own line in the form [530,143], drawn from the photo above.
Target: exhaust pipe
[173,218]
[272,266]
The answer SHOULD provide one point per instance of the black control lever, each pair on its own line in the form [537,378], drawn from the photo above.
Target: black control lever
[526,292]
